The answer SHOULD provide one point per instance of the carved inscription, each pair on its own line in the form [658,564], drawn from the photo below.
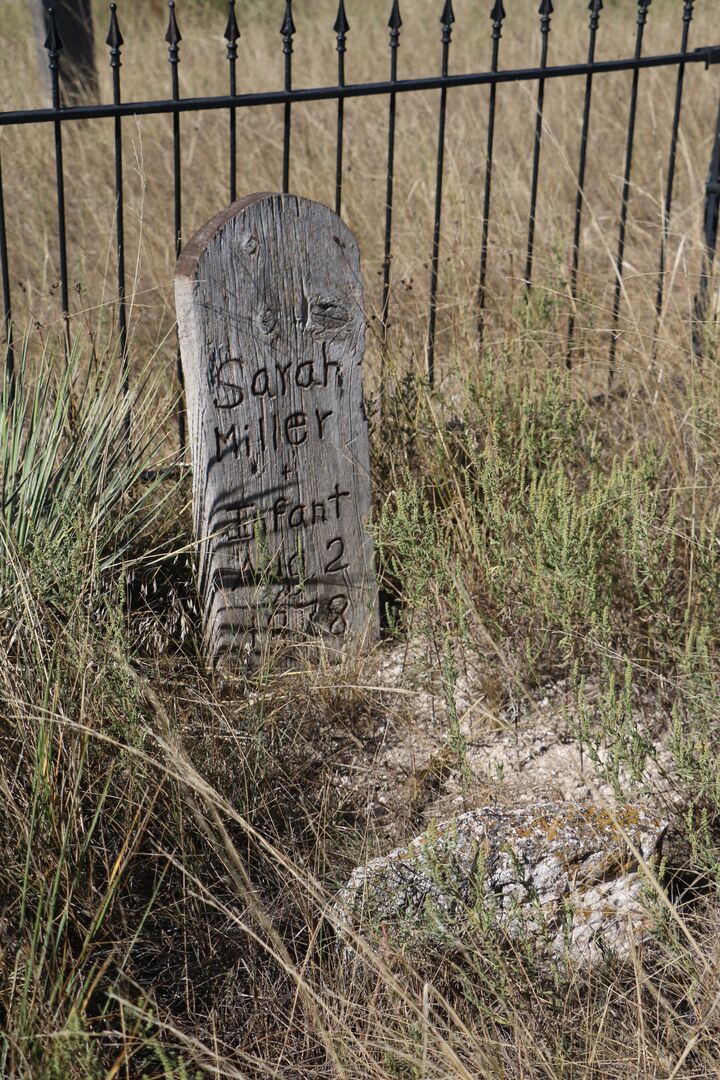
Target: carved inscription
[271,327]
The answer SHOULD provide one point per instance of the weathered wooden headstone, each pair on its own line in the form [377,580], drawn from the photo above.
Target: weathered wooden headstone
[271,326]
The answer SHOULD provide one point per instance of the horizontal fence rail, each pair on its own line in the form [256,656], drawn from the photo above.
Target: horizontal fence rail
[353,90]
[445,81]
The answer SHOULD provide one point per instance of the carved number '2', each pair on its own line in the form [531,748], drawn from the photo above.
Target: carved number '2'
[334,566]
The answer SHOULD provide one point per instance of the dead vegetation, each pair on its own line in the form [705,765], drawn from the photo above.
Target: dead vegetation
[172,842]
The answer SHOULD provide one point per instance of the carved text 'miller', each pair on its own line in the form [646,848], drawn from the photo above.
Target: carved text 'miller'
[262,435]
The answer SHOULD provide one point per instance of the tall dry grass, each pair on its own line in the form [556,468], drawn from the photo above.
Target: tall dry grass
[170,843]
[28,153]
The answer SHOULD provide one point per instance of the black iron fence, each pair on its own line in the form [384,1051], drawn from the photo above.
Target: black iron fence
[59,114]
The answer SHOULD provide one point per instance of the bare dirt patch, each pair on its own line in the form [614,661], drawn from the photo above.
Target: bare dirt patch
[410,768]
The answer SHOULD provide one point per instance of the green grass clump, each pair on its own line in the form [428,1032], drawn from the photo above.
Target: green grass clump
[570,545]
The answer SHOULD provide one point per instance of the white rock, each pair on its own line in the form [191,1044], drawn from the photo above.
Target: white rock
[562,874]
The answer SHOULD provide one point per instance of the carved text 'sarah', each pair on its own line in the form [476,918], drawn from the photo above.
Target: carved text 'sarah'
[271,325]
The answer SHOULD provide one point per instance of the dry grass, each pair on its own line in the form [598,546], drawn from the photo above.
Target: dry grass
[148,164]
[170,844]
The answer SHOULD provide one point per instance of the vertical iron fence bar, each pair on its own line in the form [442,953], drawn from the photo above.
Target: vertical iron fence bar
[394,23]
[667,209]
[447,19]
[545,12]
[341,29]
[595,9]
[54,45]
[497,15]
[173,38]
[232,34]
[643,6]
[7,306]
[287,30]
[712,214]
[115,42]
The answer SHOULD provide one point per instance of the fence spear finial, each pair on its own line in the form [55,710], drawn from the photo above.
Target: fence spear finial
[395,22]
[288,26]
[173,35]
[498,12]
[342,26]
[53,41]
[114,40]
[232,30]
[595,7]
[545,12]
[448,16]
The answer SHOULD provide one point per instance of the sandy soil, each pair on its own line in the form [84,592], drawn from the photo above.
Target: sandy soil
[406,770]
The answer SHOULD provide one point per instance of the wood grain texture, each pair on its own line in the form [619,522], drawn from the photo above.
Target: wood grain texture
[271,325]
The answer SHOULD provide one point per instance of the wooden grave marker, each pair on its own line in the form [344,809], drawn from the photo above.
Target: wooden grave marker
[271,326]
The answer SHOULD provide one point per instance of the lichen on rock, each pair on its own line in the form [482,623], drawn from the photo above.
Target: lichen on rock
[565,875]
